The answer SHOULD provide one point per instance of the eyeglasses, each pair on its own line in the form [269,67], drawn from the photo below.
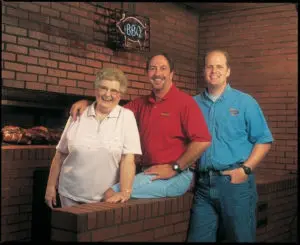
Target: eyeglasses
[104,90]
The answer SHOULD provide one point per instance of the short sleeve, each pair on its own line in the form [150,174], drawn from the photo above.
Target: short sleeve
[132,143]
[194,123]
[257,127]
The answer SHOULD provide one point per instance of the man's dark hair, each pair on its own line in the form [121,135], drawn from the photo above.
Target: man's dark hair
[224,52]
[169,59]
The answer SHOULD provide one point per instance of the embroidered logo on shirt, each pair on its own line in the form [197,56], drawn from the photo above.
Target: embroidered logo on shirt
[165,114]
[233,111]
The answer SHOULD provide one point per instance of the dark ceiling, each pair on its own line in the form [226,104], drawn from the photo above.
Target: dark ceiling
[210,7]
[204,7]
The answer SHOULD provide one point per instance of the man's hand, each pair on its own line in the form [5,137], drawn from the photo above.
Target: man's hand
[119,197]
[237,175]
[50,197]
[162,171]
[78,108]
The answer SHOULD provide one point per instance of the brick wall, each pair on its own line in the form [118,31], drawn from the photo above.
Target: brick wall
[163,219]
[18,164]
[52,46]
[166,219]
[262,40]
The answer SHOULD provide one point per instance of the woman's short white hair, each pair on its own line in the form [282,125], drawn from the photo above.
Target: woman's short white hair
[112,74]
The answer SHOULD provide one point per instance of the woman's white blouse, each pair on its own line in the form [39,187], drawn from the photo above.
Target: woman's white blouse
[94,152]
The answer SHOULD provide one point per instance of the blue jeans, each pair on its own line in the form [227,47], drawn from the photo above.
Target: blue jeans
[144,187]
[223,210]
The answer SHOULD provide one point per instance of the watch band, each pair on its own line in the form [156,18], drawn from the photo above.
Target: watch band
[246,169]
[176,167]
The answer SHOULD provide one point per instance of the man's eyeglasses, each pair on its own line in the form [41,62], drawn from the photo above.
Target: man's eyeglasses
[104,90]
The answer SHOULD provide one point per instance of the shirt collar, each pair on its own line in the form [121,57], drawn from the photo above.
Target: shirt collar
[114,113]
[224,95]
[172,91]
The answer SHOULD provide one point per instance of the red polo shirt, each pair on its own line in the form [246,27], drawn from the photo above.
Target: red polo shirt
[167,126]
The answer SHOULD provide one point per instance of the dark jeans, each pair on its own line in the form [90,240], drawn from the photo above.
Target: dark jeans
[222,210]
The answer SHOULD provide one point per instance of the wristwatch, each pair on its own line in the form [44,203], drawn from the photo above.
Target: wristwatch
[176,167]
[247,170]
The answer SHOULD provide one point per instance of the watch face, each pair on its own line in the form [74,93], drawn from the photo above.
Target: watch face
[247,170]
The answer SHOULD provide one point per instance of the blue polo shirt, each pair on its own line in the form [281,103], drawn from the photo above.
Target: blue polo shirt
[236,123]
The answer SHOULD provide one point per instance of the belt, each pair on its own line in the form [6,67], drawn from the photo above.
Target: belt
[210,173]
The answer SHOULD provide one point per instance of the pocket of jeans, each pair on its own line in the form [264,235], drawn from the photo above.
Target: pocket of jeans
[227,179]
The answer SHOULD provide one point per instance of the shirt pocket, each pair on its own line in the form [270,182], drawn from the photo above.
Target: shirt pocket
[231,127]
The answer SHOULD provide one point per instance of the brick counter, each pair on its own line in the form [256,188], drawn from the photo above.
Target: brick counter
[166,219]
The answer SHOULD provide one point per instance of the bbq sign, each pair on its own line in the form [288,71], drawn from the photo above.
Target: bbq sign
[134,32]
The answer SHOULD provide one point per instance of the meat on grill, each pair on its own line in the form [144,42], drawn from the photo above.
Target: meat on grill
[35,135]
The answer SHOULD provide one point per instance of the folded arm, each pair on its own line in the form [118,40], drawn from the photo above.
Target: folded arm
[192,153]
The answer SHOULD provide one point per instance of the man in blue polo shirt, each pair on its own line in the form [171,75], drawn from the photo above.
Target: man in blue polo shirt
[225,194]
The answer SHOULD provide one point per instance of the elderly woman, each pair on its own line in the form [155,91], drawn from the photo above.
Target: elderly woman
[98,150]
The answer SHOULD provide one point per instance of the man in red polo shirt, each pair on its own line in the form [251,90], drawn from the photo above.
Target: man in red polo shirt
[173,134]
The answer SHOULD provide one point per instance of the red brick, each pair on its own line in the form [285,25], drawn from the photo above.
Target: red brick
[8,74]
[38,53]
[8,56]
[56,73]
[54,88]
[17,12]
[174,218]
[70,17]
[153,222]
[14,66]
[57,56]
[138,71]
[49,12]
[76,60]
[47,79]
[86,85]
[48,63]
[49,46]
[89,78]
[85,69]
[36,86]
[76,75]
[16,30]
[130,228]
[13,83]
[138,237]
[104,233]
[9,38]
[36,69]
[27,59]
[67,82]
[163,231]
[80,12]
[58,40]
[16,48]
[67,66]
[39,18]
[29,6]
[78,91]
[26,77]
[59,23]
[60,6]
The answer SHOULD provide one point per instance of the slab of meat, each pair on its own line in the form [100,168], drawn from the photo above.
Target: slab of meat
[15,135]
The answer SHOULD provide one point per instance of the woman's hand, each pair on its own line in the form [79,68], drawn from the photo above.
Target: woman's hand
[50,196]
[78,108]
[122,196]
